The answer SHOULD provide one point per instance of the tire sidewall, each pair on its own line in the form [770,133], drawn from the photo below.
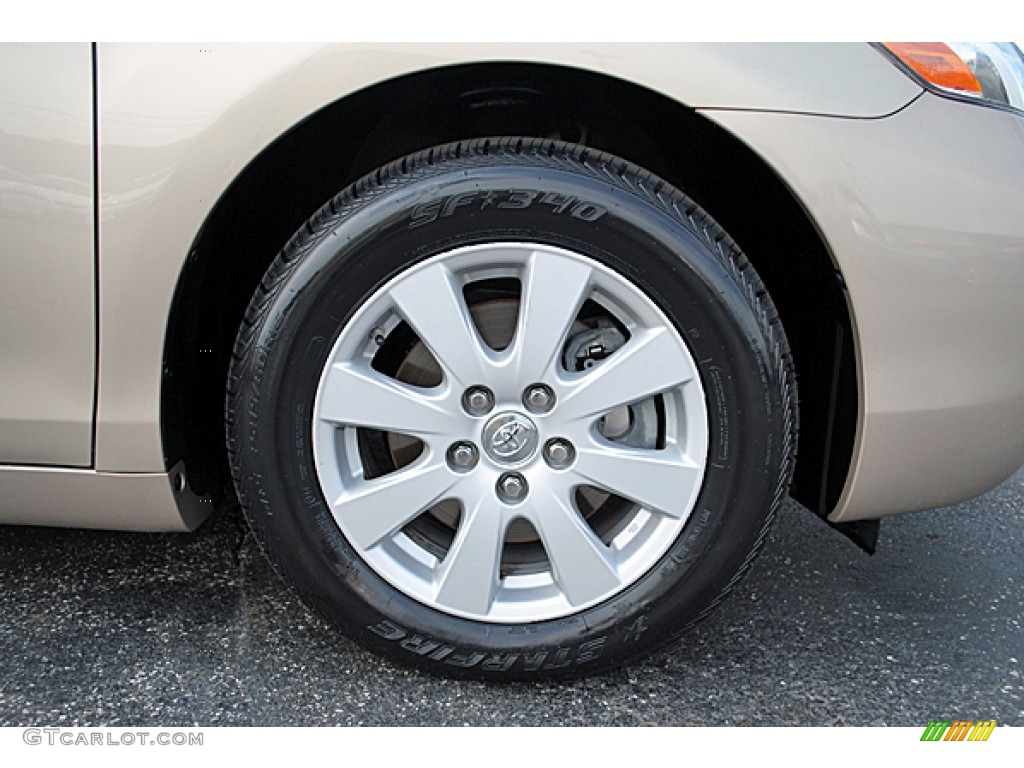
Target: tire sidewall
[653,243]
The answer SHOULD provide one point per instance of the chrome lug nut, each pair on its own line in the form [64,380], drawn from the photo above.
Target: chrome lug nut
[512,487]
[478,400]
[462,456]
[559,453]
[539,398]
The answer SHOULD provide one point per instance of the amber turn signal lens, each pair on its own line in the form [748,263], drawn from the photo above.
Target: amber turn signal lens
[938,64]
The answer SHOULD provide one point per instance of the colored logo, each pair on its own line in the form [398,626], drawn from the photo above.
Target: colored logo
[958,730]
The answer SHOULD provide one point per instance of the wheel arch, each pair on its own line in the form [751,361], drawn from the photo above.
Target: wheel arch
[358,133]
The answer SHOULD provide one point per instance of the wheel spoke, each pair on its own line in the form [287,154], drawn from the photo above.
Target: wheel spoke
[662,481]
[553,291]
[432,303]
[468,577]
[649,364]
[374,510]
[358,397]
[581,564]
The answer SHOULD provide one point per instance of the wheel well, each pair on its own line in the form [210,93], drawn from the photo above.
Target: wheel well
[294,176]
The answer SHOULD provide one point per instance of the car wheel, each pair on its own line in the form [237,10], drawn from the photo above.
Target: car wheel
[511,408]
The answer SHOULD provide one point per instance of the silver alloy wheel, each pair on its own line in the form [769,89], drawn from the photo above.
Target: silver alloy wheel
[629,426]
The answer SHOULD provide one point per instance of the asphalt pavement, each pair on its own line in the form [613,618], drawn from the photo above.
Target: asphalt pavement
[120,629]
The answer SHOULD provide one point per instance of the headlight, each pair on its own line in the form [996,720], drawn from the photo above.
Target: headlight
[988,72]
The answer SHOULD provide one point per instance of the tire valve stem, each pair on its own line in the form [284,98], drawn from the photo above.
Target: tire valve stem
[377,335]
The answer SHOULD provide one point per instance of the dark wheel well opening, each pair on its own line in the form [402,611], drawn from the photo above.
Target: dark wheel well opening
[279,191]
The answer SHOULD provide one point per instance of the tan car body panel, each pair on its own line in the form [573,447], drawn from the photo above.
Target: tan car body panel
[936,282]
[47,312]
[178,124]
[84,498]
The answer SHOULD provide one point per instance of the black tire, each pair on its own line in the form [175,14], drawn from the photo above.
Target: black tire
[638,229]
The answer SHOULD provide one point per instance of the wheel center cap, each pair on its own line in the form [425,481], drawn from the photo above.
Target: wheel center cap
[510,438]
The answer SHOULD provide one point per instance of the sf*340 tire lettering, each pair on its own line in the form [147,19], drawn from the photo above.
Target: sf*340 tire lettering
[511,199]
